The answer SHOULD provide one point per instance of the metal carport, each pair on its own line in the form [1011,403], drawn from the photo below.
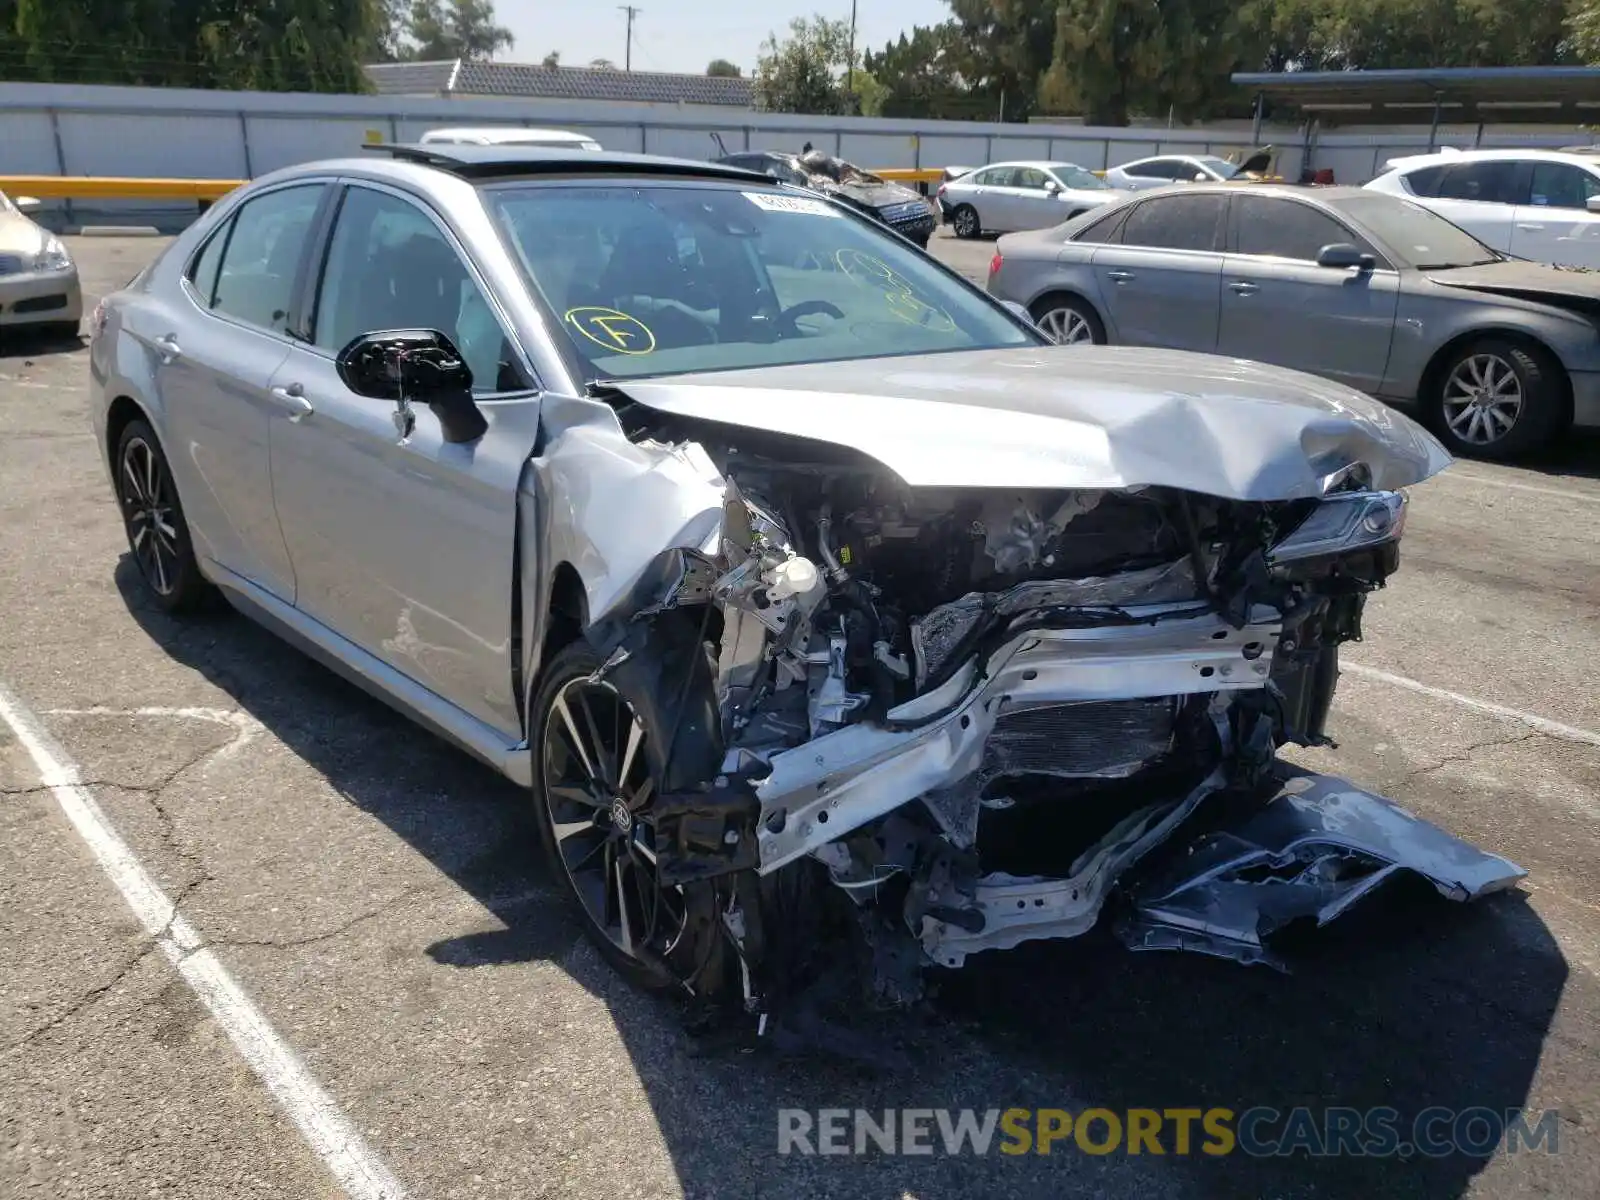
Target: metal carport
[1525,95]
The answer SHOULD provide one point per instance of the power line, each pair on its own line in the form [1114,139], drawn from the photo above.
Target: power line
[627,53]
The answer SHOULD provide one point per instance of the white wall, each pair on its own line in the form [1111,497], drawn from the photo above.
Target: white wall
[152,132]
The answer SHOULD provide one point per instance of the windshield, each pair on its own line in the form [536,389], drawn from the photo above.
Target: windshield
[1221,166]
[1078,179]
[1419,238]
[650,279]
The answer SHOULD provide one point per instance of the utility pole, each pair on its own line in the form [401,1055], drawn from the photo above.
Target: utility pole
[627,54]
[850,69]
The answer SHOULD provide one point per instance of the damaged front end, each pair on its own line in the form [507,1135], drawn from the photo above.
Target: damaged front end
[973,715]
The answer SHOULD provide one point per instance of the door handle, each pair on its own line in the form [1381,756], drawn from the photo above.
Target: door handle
[1242,288]
[167,343]
[1120,276]
[1527,227]
[294,399]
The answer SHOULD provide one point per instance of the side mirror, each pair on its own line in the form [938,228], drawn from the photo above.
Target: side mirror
[1342,256]
[27,204]
[1592,204]
[1051,186]
[1201,177]
[406,365]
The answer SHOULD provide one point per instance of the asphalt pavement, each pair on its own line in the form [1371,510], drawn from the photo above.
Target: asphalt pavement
[375,897]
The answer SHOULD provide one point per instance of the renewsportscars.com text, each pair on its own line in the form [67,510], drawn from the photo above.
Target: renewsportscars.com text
[1213,1132]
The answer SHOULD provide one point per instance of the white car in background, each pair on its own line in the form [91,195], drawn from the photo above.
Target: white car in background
[511,135]
[1010,196]
[1166,169]
[1542,205]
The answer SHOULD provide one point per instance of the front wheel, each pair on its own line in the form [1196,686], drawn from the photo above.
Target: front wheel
[964,220]
[597,771]
[1497,399]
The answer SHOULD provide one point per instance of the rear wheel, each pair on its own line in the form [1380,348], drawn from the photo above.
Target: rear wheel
[964,220]
[597,771]
[1068,321]
[1498,399]
[152,514]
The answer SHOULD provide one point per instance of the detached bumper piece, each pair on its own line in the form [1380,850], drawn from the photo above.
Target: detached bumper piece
[1315,849]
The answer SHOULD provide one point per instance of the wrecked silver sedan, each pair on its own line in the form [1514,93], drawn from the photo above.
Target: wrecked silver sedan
[821,604]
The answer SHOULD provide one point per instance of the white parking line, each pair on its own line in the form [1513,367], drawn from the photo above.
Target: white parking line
[333,1139]
[1460,476]
[1555,729]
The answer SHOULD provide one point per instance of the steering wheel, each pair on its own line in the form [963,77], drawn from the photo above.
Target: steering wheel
[786,319]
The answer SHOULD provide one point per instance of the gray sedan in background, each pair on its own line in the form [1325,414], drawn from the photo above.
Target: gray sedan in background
[1008,196]
[1370,290]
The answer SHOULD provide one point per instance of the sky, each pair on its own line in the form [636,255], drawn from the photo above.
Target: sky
[685,35]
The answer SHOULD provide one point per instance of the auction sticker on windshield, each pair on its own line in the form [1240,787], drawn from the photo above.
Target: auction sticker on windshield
[790,204]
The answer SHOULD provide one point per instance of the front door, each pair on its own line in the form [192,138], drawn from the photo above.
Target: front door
[1556,226]
[1279,307]
[405,545]
[1160,280]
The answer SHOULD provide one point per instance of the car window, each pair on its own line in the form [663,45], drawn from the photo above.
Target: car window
[995,176]
[1176,223]
[266,240]
[1417,236]
[1102,229]
[1562,185]
[1029,177]
[653,279]
[1425,181]
[389,266]
[1491,181]
[1155,168]
[202,273]
[1283,228]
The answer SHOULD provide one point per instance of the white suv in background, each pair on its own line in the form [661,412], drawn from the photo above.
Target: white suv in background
[1542,205]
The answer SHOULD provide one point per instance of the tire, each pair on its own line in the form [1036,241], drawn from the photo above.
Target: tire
[152,516]
[1069,321]
[964,220]
[1497,399]
[691,943]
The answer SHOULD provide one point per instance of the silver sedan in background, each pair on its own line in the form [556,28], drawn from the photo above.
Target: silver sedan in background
[1366,289]
[1008,196]
[1145,173]
[39,289]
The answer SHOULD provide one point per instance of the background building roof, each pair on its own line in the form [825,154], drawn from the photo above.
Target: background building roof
[464,77]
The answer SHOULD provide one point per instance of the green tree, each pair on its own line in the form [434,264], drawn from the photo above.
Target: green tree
[1005,47]
[805,72]
[721,68]
[552,60]
[443,29]
[1584,26]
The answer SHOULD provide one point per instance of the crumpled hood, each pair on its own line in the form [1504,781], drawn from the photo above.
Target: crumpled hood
[1574,288]
[873,195]
[1078,417]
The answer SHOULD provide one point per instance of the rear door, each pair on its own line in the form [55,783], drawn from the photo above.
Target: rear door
[216,358]
[1555,225]
[1480,196]
[1161,278]
[990,193]
[1279,306]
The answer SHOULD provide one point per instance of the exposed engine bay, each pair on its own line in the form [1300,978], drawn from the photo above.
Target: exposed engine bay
[979,716]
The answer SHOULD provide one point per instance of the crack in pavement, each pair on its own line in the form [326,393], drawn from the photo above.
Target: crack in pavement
[291,943]
[1467,752]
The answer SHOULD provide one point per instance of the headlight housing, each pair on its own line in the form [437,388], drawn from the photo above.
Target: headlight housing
[53,257]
